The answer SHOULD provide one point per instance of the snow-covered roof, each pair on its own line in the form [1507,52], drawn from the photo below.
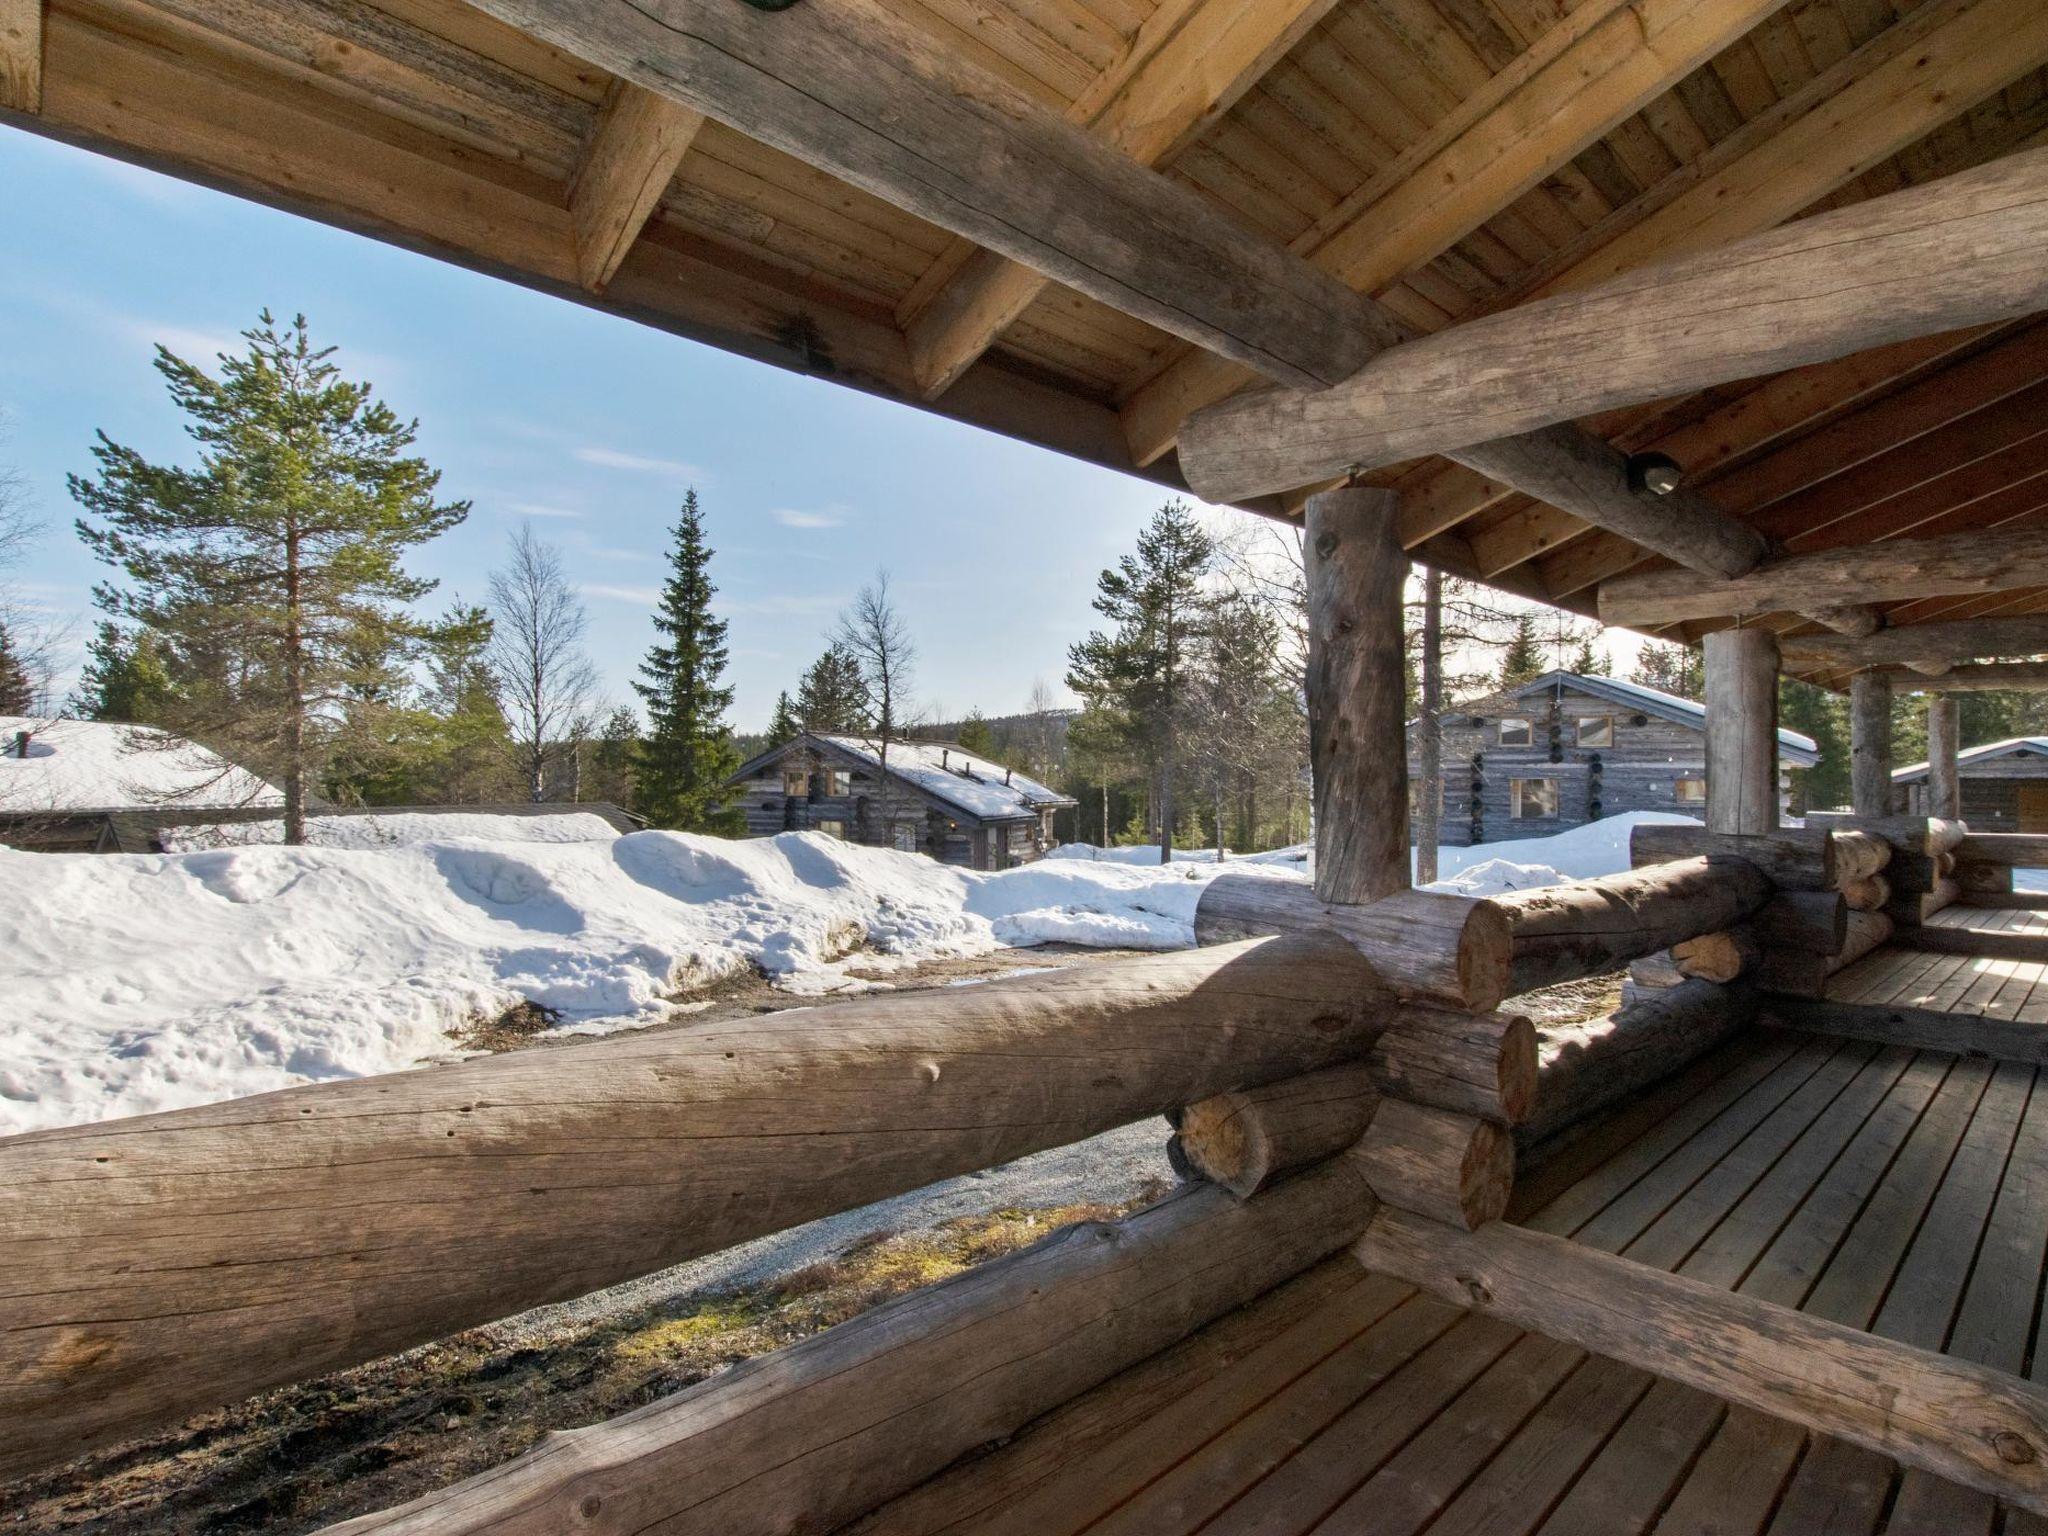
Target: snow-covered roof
[949,772]
[2013,746]
[1801,750]
[87,765]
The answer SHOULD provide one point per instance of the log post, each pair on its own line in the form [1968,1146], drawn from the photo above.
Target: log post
[1358,740]
[1870,744]
[1742,730]
[1944,728]
[1477,1064]
[1245,1139]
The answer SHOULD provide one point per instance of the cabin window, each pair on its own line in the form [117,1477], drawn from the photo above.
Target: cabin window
[795,782]
[1692,791]
[903,837]
[1532,799]
[1516,731]
[1594,731]
[839,781]
[833,829]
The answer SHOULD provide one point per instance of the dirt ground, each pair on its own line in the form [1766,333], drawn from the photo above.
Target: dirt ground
[307,1455]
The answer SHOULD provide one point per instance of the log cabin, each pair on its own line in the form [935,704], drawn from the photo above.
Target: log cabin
[1563,749]
[63,783]
[1760,1252]
[929,797]
[2003,785]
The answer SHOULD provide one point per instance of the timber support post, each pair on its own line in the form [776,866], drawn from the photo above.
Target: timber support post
[1944,786]
[1870,744]
[1742,731]
[1358,742]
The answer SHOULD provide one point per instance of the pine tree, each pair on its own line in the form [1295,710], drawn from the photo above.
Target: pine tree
[1523,659]
[785,726]
[125,679]
[832,698]
[17,690]
[271,569]
[681,768]
[1142,670]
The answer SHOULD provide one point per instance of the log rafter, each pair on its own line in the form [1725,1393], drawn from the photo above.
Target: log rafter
[640,142]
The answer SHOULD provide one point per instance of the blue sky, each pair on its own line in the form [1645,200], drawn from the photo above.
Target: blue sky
[537,408]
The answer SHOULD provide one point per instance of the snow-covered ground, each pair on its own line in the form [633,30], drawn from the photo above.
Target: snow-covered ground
[144,982]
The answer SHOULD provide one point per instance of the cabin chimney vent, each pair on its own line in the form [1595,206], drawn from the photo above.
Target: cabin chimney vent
[1006,775]
[945,758]
[21,743]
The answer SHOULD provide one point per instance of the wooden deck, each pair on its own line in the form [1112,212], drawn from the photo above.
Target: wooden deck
[1890,1189]
[2010,932]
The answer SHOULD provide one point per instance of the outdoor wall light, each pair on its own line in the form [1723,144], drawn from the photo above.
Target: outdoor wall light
[1657,473]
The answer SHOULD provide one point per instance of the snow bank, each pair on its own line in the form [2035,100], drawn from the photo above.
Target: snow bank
[393,829]
[147,982]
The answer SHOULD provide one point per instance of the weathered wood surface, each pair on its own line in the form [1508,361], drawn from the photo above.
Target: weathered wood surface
[1991,677]
[1890,571]
[1921,1029]
[2016,850]
[1565,932]
[1961,251]
[1912,907]
[1793,858]
[1246,1138]
[1911,873]
[1584,1068]
[1986,1429]
[1996,943]
[811,1436]
[21,55]
[1905,834]
[1801,973]
[1944,738]
[1742,731]
[1449,1167]
[1859,853]
[1453,949]
[1870,744]
[1975,879]
[1911,645]
[1357,694]
[640,141]
[1811,920]
[158,1265]
[1871,893]
[1481,1064]
[1721,956]
[856,90]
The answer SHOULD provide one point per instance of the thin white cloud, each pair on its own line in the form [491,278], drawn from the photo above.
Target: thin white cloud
[645,597]
[537,509]
[820,517]
[612,458]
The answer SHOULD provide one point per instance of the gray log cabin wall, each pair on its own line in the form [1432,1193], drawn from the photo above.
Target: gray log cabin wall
[2000,794]
[1649,758]
[857,803]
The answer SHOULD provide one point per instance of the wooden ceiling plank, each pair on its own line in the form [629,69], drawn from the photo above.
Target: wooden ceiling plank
[1962,251]
[21,55]
[1173,87]
[1595,69]
[640,141]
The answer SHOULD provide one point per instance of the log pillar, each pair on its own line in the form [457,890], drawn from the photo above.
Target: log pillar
[1742,731]
[1358,740]
[1870,744]
[1944,733]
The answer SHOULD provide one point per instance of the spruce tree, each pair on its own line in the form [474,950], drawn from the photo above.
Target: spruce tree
[832,699]
[785,726]
[271,570]
[681,768]
[17,690]
[976,736]
[1143,670]
[1674,669]
[618,742]
[1523,660]
[475,743]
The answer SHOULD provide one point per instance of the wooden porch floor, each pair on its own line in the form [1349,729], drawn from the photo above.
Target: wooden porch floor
[1890,1189]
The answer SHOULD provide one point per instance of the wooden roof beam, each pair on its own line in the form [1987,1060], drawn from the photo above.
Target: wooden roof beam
[1895,570]
[1189,64]
[1586,75]
[1935,64]
[1988,678]
[1958,252]
[640,141]
[1922,645]
[21,55]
